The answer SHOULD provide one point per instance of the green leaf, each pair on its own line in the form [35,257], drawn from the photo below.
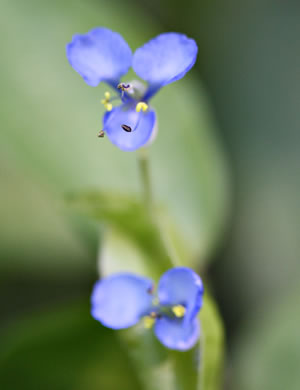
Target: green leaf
[158,367]
[154,233]
[120,253]
[64,349]
[267,353]
[125,214]
[212,346]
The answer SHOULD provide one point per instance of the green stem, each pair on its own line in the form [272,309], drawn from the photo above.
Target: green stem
[144,167]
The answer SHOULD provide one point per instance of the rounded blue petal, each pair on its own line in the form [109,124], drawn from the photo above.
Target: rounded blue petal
[181,286]
[120,300]
[99,55]
[173,334]
[142,125]
[165,58]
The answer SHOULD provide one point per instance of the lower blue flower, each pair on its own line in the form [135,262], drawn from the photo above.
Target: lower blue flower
[122,300]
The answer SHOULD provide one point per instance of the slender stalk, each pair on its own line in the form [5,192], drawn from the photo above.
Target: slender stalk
[144,168]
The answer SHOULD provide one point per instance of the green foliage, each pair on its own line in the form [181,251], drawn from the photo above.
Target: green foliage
[153,233]
[212,346]
[267,353]
[127,215]
[64,349]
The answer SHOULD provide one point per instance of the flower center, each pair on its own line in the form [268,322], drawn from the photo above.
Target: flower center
[177,310]
[129,103]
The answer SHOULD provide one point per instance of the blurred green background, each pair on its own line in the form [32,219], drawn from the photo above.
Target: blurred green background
[225,163]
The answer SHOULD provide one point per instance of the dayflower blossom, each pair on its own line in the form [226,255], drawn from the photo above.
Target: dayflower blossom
[123,299]
[103,55]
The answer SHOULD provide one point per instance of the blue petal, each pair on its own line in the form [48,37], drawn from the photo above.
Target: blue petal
[181,286]
[120,300]
[175,335]
[165,59]
[142,125]
[99,55]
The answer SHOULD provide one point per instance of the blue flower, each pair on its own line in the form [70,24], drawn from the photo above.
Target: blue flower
[123,299]
[103,55]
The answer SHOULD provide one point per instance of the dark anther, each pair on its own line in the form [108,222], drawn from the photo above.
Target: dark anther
[123,86]
[126,128]
[150,290]
[101,134]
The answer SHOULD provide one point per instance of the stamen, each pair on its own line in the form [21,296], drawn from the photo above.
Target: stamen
[123,86]
[150,320]
[130,129]
[108,106]
[150,290]
[101,134]
[178,310]
[126,128]
[141,106]
[106,101]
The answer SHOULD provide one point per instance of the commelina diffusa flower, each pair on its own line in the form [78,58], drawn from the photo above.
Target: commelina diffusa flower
[123,299]
[103,55]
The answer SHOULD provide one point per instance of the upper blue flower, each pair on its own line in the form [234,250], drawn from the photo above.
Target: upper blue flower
[103,55]
[121,300]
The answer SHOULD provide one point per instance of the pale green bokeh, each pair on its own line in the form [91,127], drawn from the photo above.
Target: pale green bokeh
[49,145]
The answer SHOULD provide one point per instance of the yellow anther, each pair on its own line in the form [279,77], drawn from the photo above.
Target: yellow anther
[148,322]
[141,106]
[108,106]
[178,310]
